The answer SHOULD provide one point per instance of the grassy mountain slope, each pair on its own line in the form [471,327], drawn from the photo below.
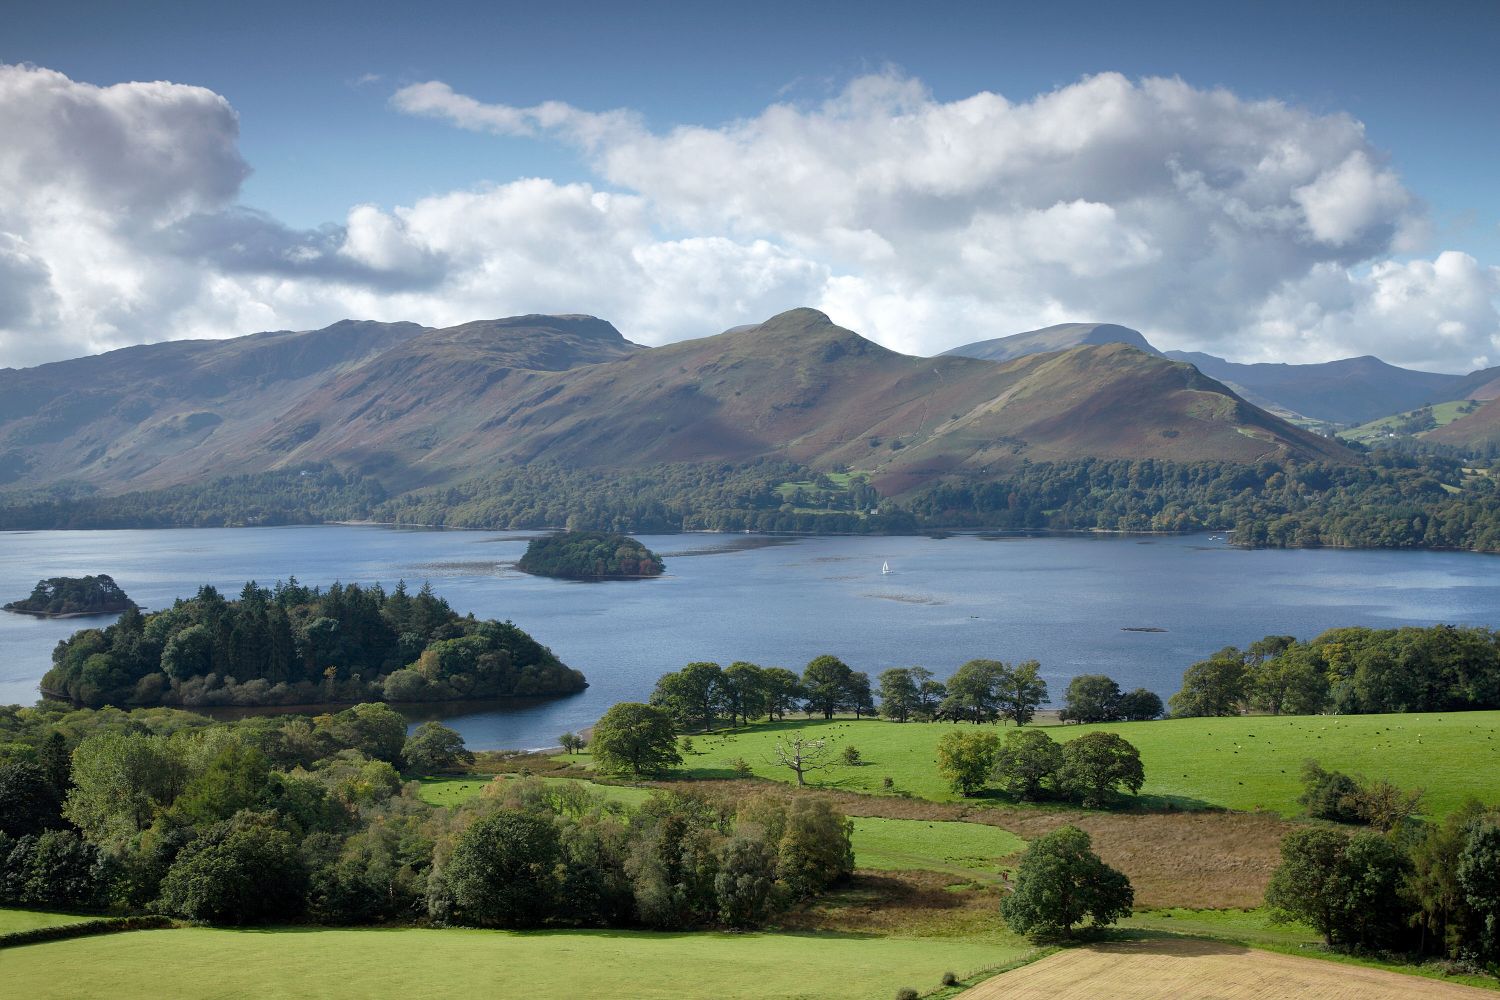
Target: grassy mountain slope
[161,413]
[1351,391]
[1476,431]
[1052,338]
[438,406]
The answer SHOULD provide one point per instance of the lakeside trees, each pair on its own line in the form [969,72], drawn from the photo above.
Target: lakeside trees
[1349,671]
[292,644]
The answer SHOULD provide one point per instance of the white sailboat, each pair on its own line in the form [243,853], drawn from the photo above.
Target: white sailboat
[885,568]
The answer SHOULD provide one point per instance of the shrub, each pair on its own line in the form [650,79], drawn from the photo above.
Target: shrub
[851,756]
[907,993]
[950,979]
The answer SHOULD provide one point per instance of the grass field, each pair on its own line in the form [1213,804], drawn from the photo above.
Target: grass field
[1238,763]
[25,920]
[456,791]
[1250,926]
[1149,970]
[895,845]
[391,964]
[1377,430]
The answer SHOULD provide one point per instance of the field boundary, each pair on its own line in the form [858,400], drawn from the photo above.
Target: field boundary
[86,928]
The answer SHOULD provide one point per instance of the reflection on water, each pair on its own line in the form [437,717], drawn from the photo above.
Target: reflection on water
[1064,600]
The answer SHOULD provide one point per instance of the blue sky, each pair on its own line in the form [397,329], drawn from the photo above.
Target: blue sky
[312,85]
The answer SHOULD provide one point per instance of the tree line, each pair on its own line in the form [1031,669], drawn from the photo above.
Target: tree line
[291,644]
[1349,671]
[290,819]
[1395,498]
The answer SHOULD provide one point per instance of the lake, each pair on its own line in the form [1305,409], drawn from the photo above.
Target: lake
[1063,599]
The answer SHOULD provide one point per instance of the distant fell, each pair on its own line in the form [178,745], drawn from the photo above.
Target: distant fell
[1350,391]
[1052,338]
[414,406]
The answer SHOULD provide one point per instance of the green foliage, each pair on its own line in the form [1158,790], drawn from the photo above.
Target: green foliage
[74,595]
[28,799]
[636,738]
[433,747]
[1028,762]
[1219,685]
[589,555]
[692,696]
[243,870]
[1096,766]
[965,759]
[502,872]
[1059,883]
[826,684]
[1478,877]
[298,645]
[53,868]
[1350,890]
[1091,698]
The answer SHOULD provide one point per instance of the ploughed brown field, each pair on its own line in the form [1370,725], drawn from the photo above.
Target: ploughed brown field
[1147,970]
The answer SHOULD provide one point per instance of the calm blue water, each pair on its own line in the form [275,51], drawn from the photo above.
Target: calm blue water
[1061,600]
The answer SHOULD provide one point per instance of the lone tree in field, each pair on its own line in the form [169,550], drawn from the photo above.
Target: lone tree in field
[1059,882]
[1097,766]
[801,755]
[636,738]
[966,759]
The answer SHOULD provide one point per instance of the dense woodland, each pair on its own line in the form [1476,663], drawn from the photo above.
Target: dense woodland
[74,595]
[283,819]
[589,555]
[1396,499]
[290,645]
[1349,671]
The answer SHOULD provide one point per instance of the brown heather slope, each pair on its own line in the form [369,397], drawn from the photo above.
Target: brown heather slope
[1472,431]
[439,406]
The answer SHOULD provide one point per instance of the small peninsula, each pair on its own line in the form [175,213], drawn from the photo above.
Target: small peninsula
[590,555]
[297,645]
[73,597]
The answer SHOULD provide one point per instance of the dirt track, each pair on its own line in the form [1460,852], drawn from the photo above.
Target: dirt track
[1204,970]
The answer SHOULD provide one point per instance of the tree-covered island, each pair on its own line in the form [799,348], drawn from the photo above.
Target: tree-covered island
[296,645]
[589,555]
[73,596]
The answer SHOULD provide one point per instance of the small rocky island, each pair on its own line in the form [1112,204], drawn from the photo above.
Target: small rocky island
[73,597]
[590,555]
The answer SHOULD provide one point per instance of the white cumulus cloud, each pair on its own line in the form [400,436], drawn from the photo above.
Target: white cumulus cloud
[1255,229]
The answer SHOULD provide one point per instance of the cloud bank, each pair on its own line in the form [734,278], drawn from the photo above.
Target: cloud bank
[1253,229]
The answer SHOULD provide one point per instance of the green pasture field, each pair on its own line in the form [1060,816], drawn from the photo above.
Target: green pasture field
[26,920]
[966,849]
[456,791]
[1376,430]
[399,964]
[1245,762]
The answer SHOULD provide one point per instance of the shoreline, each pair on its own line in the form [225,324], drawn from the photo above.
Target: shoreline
[54,616]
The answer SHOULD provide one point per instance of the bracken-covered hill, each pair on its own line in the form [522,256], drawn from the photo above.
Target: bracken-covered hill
[414,406]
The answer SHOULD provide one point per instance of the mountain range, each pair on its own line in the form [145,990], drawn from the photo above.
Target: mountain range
[1341,393]
[415,406]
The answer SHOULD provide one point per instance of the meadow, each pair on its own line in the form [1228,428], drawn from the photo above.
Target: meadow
[398,964]
[26,920]
[1243,763]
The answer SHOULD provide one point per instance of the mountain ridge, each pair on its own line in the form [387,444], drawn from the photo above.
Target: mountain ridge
[418,406]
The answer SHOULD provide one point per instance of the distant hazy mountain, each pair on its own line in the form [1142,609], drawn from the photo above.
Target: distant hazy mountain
[1351,391]
[415,406]
[1052,338]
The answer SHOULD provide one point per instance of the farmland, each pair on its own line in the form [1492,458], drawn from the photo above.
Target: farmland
[397,964]
[1243,763]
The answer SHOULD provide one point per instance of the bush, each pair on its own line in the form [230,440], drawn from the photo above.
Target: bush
[950,979]
[907,993]
[851,756]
